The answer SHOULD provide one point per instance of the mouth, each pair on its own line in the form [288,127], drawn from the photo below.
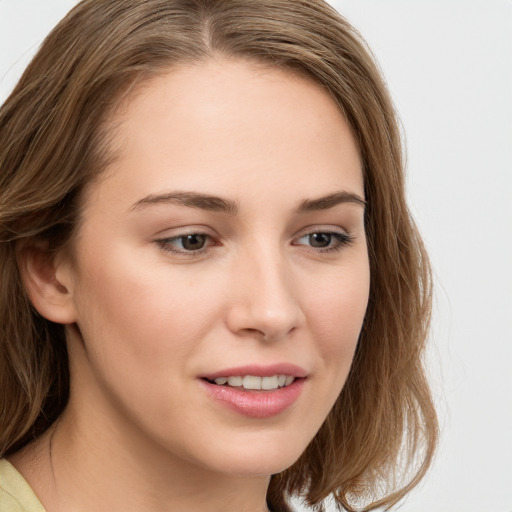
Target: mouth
[256,391]
[254,382]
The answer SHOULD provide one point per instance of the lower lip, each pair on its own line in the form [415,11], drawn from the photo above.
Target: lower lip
[256,404]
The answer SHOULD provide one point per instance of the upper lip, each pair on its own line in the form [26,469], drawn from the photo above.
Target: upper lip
[258,370]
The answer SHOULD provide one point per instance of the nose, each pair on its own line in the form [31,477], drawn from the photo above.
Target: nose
[264,300]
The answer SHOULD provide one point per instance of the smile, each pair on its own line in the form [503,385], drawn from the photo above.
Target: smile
[256,391]
[253,382]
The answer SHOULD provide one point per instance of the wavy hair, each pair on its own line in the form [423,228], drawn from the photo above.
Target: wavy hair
[379,439]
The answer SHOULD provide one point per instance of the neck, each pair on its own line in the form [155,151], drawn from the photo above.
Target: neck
[72,469]
[129,474]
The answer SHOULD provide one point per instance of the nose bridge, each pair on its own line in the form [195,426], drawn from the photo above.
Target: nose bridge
[267,301]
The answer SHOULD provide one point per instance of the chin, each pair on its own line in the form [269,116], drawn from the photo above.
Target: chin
[263,455]
[266,464]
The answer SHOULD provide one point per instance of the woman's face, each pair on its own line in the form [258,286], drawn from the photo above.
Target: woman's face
[226,242]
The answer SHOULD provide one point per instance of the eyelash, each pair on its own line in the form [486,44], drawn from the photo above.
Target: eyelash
[165,244]
[340,239]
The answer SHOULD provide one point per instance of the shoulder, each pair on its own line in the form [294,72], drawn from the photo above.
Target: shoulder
[15,493]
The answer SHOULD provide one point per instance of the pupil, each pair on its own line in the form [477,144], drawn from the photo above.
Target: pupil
[320,239]
[193,242]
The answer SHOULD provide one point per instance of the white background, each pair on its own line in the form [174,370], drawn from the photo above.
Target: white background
[449,67]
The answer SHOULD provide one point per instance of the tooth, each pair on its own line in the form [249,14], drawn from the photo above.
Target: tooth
[255,382]
[289,380]
[269,382]
[235,381]
[251,382]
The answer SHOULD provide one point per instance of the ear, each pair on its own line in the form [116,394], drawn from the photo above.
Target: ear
[48,280]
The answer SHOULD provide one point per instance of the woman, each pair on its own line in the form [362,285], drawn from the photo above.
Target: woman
[213,296]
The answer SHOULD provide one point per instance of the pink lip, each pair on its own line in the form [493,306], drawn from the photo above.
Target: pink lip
[256,403]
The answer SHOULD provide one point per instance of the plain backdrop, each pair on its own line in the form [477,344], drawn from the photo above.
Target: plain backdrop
[448,64]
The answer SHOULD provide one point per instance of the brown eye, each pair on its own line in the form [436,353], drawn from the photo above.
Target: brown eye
[320,239]
[193,242]
[186,244]
[324,241]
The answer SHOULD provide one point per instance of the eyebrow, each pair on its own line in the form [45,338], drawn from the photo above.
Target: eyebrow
[329,201]
[190,199]
[218,204]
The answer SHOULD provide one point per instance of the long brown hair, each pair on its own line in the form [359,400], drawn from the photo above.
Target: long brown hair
[379,439]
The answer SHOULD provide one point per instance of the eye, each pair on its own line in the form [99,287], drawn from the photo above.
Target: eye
[192,243]
[319,239]
[324,241]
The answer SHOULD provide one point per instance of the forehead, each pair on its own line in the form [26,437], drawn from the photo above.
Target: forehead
[223,122]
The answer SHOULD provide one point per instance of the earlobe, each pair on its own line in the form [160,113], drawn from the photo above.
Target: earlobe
[47,278]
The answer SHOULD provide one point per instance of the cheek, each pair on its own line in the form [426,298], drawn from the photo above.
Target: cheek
[336,318]
[337,313]
[138,313]
[140,327]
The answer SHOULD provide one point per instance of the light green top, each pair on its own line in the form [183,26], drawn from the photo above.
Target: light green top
[15,493]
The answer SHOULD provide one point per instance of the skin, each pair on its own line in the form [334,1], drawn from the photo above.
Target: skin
[143,322]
